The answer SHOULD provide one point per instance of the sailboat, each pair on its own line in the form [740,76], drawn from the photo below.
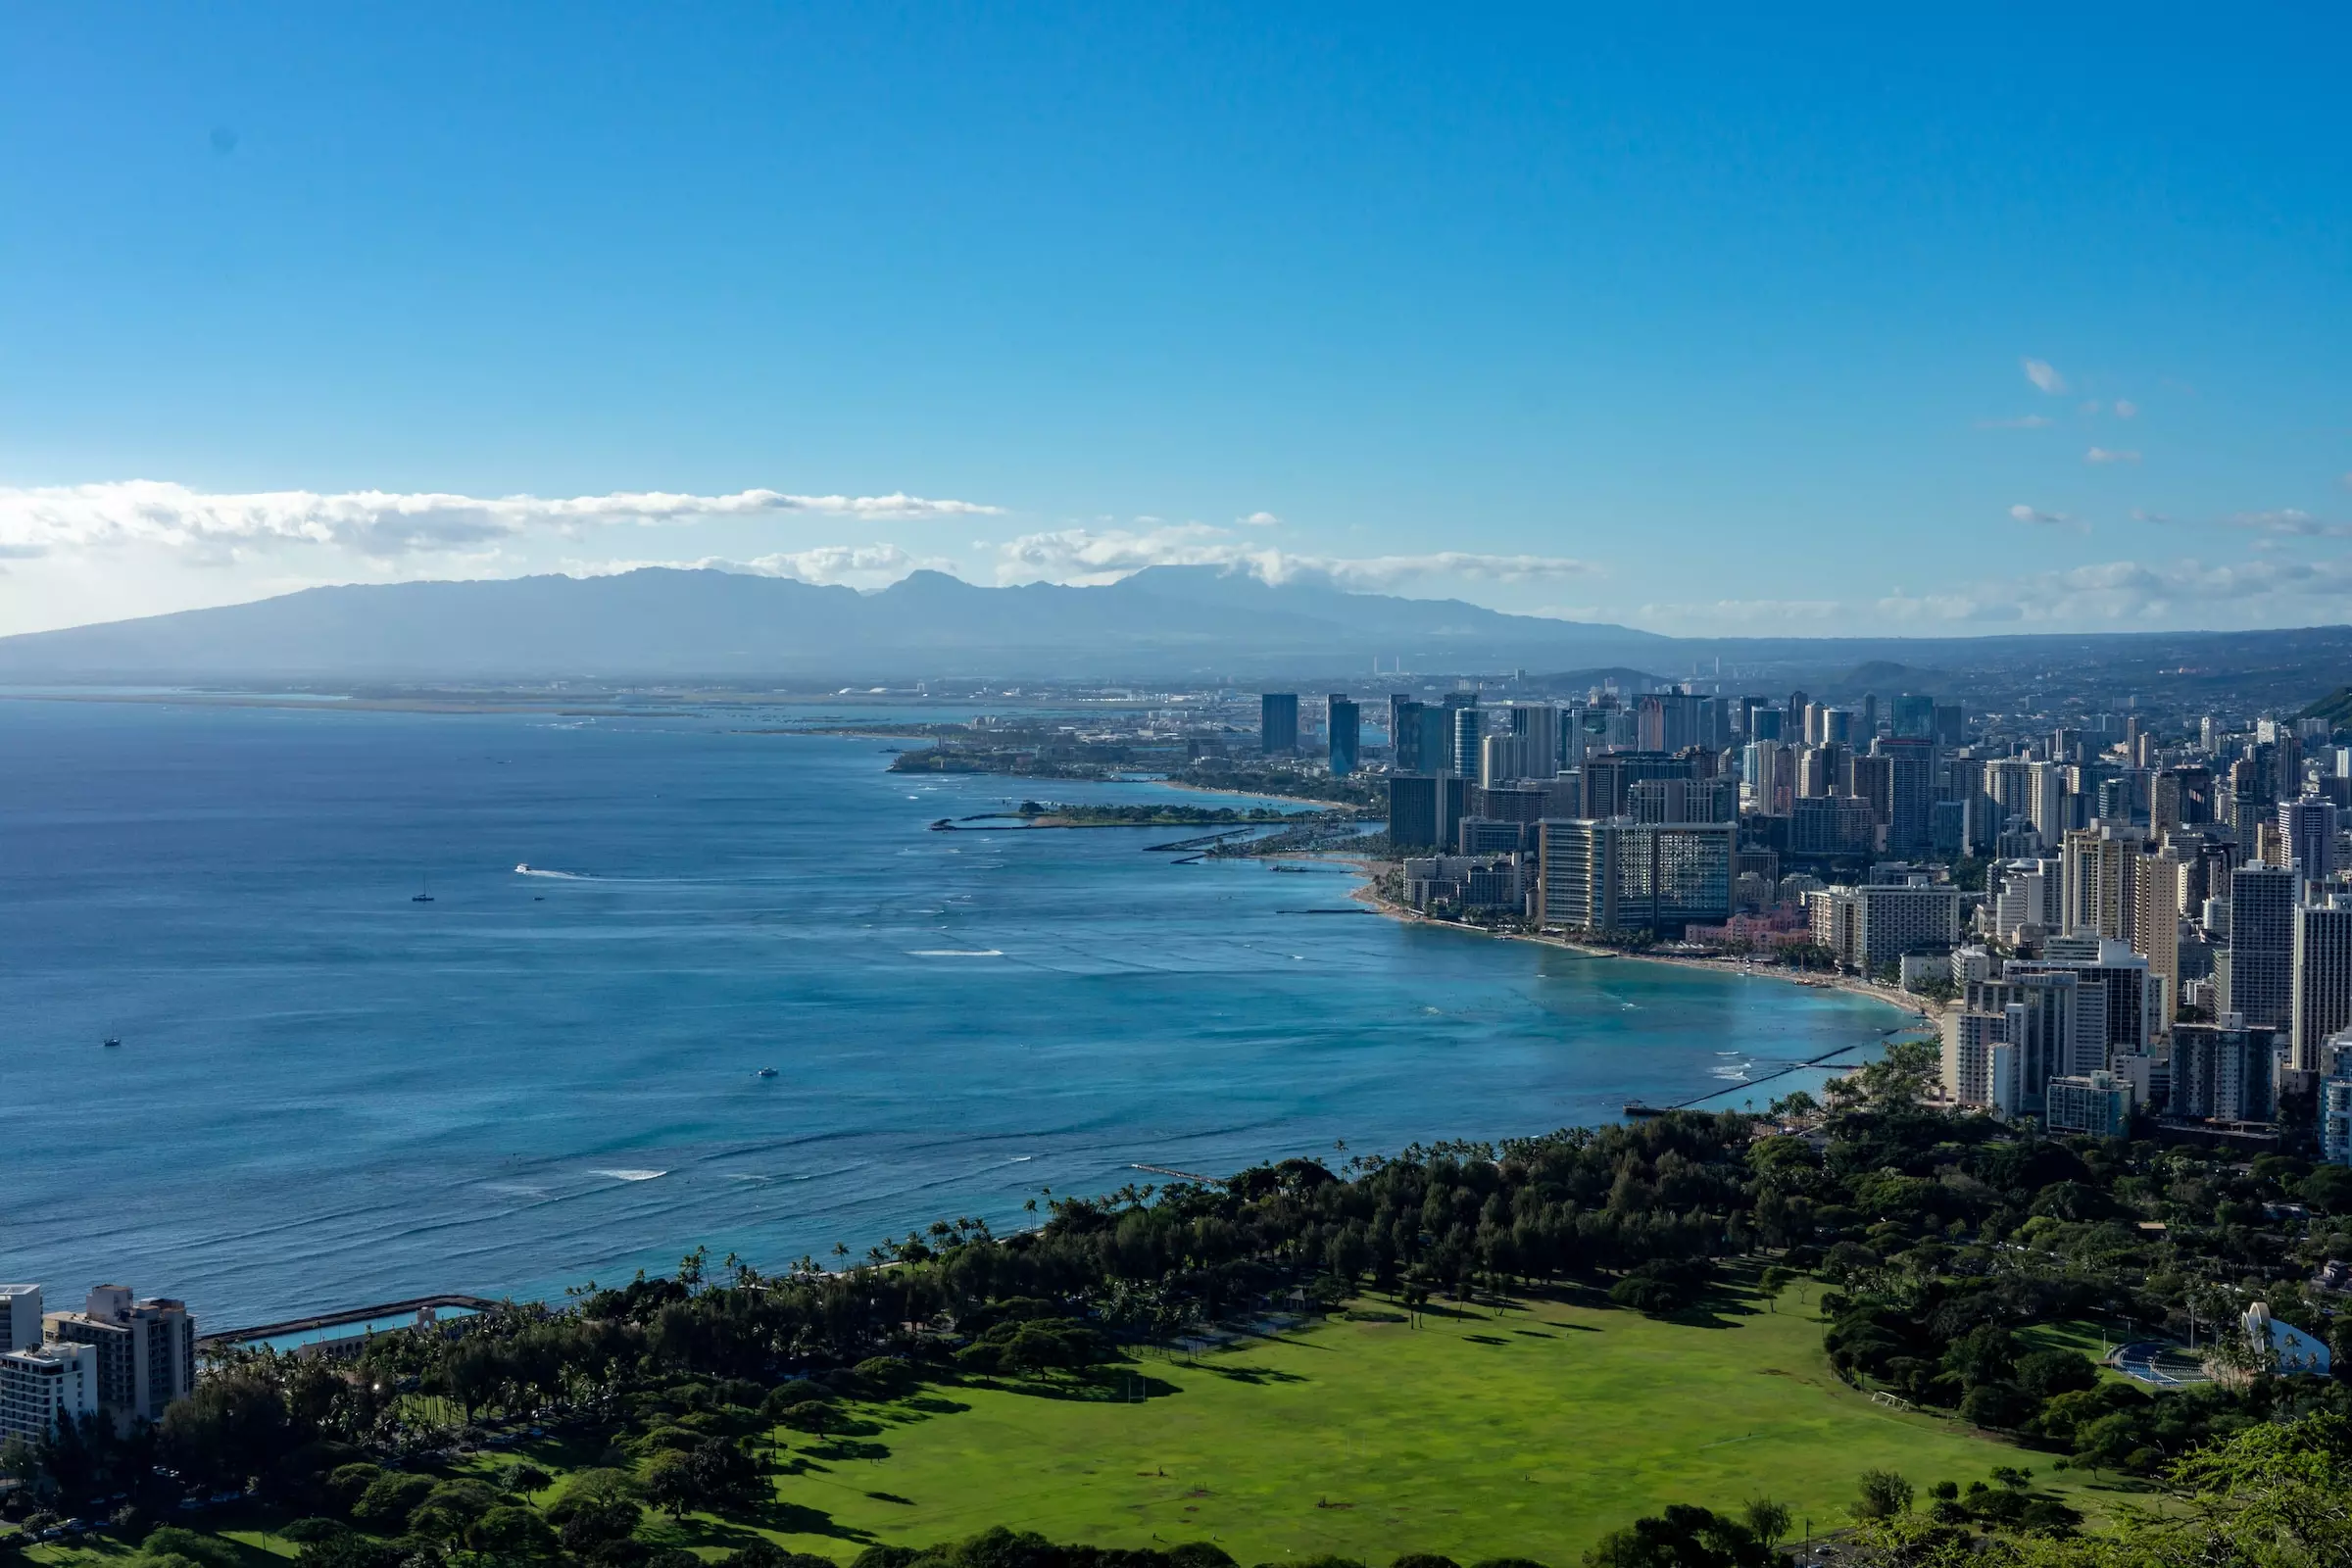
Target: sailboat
[424,891]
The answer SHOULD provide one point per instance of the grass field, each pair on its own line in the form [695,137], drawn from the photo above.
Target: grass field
[1528,1432]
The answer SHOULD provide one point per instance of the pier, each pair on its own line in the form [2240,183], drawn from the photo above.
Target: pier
[335,1320]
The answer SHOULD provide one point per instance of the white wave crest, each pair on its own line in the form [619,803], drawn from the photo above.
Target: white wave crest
[955,953]
[630,1175]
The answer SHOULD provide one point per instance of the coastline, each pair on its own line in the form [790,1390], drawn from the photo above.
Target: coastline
[1366,895]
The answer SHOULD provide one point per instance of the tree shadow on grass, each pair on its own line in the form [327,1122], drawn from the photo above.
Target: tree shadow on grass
[1252,1374]
[787,1519]
[838,1449]
[1535,1334]
[934,1404]
[838,1425]
[1118,1387]
[1713,1310]
[1483,1339]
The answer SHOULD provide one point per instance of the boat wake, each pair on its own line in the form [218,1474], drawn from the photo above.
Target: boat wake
[526,869]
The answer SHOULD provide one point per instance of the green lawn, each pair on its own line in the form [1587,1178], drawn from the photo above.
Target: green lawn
[1527,1432]
[1522,1433]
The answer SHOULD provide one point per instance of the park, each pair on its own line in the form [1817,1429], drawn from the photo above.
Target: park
[1526,1426]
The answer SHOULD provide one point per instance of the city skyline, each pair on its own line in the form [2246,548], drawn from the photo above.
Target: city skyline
[1757,330]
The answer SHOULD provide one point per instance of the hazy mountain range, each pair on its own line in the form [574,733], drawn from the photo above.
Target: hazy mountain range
[663,622]
[1174,622]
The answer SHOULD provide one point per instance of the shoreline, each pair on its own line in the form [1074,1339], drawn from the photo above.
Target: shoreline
[1366,895]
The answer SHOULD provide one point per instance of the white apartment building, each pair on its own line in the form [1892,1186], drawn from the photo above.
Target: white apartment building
[44,1385]
[1872,926]
[1980,1064]
[146,1351]
[19,1317]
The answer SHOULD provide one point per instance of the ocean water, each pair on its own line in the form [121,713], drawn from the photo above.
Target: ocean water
[328,1095]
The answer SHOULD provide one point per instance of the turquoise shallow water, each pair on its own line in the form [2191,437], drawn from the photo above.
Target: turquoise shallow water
[328,1095]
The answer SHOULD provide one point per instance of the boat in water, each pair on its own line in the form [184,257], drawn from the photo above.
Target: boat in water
[765,1072]
[111,1042]
[423,893]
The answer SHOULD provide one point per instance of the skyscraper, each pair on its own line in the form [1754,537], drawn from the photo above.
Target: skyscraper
[1502,759]
[1910,791]
[2054,1022]
[2101,889]
[1412,812]
[2109,966]
[1404,734]
[1914,717]
[1425,810]
[1537,725]
[2046,790]
[1468,731]
[1436,738]
[2308,826]
[2156,930]
[2258,983]
[1278,723]
[2322,981]
[1345,726]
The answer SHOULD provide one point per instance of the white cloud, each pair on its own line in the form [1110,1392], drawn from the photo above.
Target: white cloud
[379,524]
[2047,520]
[2026,421]
[2125,409]
[1741,610]
[2130,591]
[2045,377]
[1380,570]
[1106,554]
[2287,523]
[852,564]
[1261,519]
[859,565]
[1099,555]
[2103,454]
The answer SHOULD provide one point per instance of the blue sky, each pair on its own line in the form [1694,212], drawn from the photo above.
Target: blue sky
[1687,319]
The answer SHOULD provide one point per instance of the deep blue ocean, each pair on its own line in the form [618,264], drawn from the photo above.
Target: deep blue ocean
[329,1095]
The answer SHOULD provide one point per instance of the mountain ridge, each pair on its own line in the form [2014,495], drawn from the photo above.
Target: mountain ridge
[700,622]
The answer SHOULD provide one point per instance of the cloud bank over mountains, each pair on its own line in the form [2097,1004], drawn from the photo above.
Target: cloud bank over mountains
[77,554]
